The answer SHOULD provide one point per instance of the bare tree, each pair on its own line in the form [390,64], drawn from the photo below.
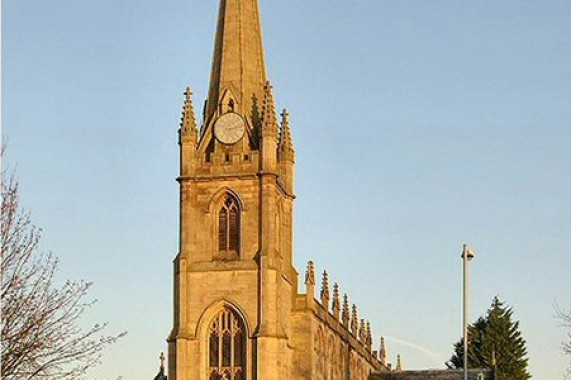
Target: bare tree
[41,335]
[564,317]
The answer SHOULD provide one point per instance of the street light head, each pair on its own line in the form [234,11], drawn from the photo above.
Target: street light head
[467,252]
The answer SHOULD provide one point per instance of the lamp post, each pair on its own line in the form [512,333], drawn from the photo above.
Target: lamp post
[467,256]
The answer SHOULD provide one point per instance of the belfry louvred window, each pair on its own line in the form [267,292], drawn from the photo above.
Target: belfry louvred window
[229,226]
[227,347]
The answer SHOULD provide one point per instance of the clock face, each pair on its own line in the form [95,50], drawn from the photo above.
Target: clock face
[229,128]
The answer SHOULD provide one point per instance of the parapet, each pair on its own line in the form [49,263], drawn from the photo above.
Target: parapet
[338,316]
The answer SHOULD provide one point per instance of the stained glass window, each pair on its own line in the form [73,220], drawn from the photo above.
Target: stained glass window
[227,347]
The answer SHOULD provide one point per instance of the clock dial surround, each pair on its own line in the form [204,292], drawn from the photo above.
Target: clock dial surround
[229,128]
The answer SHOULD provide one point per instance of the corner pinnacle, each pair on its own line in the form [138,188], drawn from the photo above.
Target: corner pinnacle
[285,145]
[269,118]
[188,122]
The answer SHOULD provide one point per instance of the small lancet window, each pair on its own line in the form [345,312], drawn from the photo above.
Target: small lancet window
[229,228]
[231,105]
[227,347]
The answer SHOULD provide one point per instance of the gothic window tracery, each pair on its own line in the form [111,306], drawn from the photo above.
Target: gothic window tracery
[319,351]
[229,228]
[343,357]
[353,365]
[227,347]
[330,358]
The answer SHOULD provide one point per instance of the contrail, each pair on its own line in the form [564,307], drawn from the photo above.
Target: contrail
[435,356]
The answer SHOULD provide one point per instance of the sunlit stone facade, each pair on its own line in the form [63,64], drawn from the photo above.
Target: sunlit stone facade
[238,310]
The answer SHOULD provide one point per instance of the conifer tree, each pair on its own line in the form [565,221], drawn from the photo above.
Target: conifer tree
[495,341]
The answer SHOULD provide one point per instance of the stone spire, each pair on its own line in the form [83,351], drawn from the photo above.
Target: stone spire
[188,132]
[238,62]
[354,321]
[336,304]
[325,290]
[285,146]
[345,317]
[383,352]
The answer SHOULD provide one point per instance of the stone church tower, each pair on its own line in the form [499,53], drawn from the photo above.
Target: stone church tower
[238,314]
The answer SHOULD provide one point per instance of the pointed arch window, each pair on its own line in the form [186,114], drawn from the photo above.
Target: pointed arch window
[229,227]
[227,347]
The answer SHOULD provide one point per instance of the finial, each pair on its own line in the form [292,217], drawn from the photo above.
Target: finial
[399,363]
[310,274]
[325,290]
[354,321]
[187,94]
[268,86]
[383,351]
[162,358]
[336,304]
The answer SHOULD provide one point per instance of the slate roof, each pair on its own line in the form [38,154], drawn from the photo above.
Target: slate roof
[161,375]
[473,374]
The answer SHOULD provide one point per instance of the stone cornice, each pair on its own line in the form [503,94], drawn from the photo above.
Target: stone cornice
[237,177]
[220,266]
[217,177]
[279,183]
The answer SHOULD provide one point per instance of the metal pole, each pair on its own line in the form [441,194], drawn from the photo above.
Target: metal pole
[467,255]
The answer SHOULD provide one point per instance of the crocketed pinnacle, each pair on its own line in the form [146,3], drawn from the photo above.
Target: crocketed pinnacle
[286,141]
[399,363]
[269,117]
[345,313]
[188,120]
[383,351]
[363,332]
[354,321]
[369,336]
[238,62]
[325,289]
[310,274]
[336,304]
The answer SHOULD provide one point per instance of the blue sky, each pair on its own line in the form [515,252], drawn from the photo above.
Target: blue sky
[418,126]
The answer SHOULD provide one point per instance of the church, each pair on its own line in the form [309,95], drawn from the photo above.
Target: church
[241,310]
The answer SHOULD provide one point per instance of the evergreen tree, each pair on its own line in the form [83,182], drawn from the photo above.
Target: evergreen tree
[494,341]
